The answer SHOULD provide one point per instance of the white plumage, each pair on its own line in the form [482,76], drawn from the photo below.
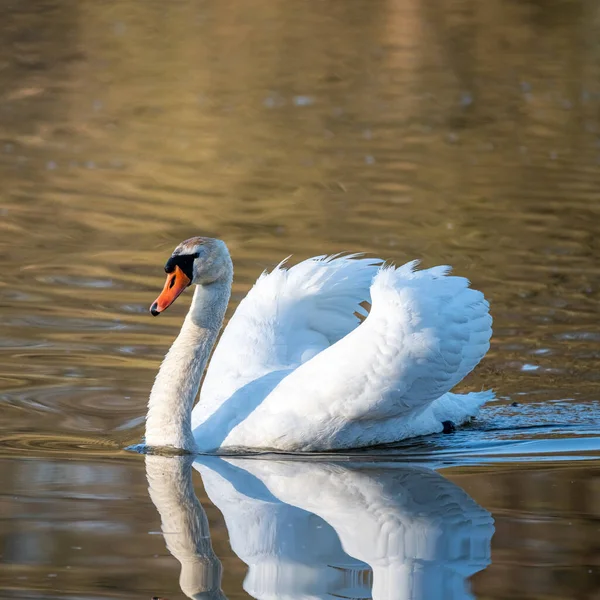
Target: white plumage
[317,379]
[297,370]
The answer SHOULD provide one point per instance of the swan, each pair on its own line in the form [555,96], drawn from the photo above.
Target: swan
[365,529]
[302,366]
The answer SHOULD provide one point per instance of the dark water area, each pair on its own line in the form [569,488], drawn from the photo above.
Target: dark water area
[462,133]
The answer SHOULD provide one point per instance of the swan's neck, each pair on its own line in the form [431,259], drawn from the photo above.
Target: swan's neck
[168,422]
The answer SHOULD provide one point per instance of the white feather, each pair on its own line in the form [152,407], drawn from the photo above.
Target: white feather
[295,369]
[289,316]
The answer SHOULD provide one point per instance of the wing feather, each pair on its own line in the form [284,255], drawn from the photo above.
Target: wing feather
[289,316]
[425,332]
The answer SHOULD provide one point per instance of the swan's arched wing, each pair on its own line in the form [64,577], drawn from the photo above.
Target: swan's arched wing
[426,331]
[289,316]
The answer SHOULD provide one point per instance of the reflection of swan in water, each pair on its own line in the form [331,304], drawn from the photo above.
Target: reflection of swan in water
[328,530]
[184,525]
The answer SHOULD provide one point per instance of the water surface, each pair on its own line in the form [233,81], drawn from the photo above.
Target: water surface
[459,133]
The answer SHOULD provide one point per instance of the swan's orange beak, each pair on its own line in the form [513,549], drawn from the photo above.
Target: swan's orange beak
[176,282]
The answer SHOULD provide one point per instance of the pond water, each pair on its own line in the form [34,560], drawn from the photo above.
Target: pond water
[456,132]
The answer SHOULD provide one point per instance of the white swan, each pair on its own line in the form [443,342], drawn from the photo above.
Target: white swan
[318,529]
[296,370]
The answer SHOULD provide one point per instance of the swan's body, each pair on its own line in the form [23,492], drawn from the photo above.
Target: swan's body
[296,370]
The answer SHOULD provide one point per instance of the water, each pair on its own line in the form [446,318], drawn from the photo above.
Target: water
[458,133]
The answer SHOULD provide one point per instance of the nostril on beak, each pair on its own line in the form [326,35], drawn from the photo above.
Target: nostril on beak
[154,309]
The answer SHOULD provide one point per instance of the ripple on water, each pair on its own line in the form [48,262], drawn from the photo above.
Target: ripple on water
[78,281]
[68,323]
[550,430]
[72,408]
[77,447]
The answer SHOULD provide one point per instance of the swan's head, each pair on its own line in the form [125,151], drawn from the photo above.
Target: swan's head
[198,261]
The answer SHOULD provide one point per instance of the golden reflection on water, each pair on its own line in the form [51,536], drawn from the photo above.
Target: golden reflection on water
[463,132]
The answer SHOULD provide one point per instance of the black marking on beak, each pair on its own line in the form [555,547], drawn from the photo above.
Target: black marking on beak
[184,261]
